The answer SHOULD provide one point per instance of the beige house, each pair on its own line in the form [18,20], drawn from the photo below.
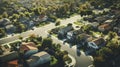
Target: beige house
[28,46]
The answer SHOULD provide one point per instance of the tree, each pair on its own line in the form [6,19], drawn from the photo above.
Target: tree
[99,61]
[47,42]
[5,15]
[105,52]
[39,38]
[21,28]
[20,37]
[27,14]
[80,38]
[69,24]
[111,35]
[57,23]
[2,33]
[58,47]
[87,28]
[15,16]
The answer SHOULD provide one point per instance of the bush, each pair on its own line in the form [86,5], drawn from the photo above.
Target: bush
[57,23]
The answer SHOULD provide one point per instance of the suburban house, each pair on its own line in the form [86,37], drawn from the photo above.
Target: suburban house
[97,43]
[4,22]
[82,39]
[104,27]
[6,54]
[95,24]
[63,32]
[43,18]
[71,36]
[10,28]
[38,59]
[28,46]
[28,49]
[93,45]
[85,37]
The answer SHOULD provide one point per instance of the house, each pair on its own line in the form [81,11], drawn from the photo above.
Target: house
[28,46]
[4,22]
[43,18]
[38,59]
[84,37]
[6,54]
[63,32]
[13,63]
[104,27]
[71,36]
[95,24]
[97,43]
[10,28]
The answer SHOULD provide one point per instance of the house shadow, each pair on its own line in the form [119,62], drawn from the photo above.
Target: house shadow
[78,52]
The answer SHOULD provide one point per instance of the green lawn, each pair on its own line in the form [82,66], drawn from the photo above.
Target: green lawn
[78,23]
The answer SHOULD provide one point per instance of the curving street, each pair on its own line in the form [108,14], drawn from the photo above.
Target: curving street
[82,60]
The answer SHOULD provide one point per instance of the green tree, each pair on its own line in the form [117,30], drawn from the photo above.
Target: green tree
[111,35]
[57,23]
[105,52]
[5,15]
[69,24]
[47,42]
[2,33]
[21,28]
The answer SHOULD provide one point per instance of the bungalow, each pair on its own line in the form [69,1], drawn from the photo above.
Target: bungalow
[97,43]
[38,59]
[63,32]
[4,22]
[104,27]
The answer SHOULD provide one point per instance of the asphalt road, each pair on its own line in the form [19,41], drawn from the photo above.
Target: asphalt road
[82,60]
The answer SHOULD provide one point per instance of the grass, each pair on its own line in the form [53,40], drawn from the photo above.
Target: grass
[78,23]
[53,61]
[43,24]
[96,34]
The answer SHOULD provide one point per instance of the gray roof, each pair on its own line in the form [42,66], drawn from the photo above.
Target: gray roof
[4,22]
[39,58]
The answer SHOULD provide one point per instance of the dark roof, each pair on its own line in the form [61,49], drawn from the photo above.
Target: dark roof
[99,41]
